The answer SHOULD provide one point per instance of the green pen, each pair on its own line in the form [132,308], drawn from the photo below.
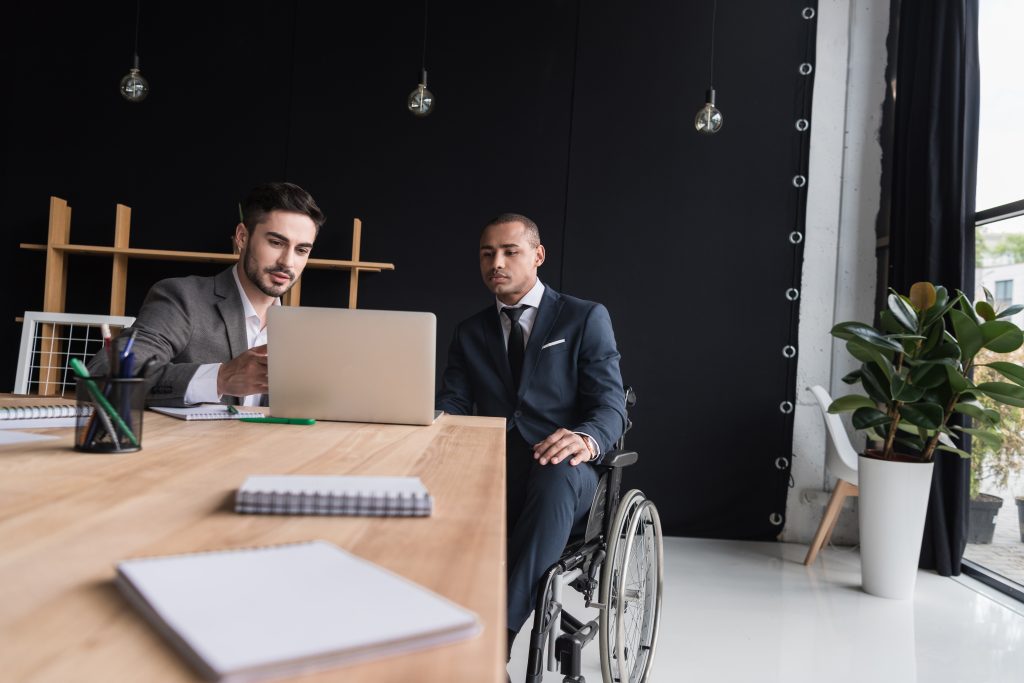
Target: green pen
[80,370]
[280,420]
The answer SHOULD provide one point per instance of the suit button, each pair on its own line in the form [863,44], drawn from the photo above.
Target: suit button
[518,413]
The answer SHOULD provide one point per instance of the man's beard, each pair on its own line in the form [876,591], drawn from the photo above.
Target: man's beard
[253,272]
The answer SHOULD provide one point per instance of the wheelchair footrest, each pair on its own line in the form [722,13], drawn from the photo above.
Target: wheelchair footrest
[569,648]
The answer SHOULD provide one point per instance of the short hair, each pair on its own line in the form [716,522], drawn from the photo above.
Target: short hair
[263,199]
[532,231]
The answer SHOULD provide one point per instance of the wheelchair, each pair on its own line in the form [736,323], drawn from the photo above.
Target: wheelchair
[619,557]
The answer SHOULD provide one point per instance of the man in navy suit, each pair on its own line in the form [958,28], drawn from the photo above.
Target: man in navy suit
[547,362]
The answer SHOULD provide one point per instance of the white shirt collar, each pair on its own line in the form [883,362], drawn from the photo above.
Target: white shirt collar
[531,298]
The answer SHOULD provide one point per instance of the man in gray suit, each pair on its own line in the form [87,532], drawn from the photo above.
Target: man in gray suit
[207,336]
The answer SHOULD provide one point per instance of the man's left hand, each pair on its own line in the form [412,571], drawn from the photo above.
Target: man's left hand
[560,445]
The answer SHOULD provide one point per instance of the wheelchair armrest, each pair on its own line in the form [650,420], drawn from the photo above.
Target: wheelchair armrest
[618,458]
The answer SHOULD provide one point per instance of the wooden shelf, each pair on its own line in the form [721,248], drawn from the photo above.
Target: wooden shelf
[200,256]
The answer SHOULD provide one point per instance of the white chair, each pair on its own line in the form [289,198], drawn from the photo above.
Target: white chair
[50,340]
[843,464]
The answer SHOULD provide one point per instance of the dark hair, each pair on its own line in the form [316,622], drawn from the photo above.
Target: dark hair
[532,231]
[268,197]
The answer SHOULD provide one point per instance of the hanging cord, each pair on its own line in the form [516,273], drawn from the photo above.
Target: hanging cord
[714,13]
[138,11]
[423,59]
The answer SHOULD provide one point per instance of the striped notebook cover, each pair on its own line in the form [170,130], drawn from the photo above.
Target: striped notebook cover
[334,495]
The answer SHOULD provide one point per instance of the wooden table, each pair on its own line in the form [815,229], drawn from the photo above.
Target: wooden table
[66,518]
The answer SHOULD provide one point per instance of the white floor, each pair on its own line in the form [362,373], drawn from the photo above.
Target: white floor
[752,613]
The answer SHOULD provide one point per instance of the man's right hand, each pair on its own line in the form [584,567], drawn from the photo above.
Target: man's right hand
[245,374]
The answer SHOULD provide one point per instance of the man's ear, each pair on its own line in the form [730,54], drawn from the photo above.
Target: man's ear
[241,235]
[539,255]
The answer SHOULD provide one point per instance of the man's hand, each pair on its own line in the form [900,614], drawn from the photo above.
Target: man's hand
[560,445]
[245,374]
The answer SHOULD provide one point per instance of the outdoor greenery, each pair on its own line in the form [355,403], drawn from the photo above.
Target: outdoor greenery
[1008,249]
[916,372]
[995,465]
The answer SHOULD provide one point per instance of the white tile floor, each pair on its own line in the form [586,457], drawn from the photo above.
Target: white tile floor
[752,613]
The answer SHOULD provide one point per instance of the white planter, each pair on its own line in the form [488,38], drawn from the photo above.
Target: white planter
[892,506]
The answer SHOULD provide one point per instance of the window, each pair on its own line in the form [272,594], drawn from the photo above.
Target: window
[995,554]
[1004,293]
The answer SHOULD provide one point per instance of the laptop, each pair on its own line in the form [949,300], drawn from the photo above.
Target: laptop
[351,365]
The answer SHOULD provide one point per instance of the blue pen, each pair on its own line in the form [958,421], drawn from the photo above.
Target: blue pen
[128,349]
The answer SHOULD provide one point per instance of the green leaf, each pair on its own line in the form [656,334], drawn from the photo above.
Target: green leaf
[851,330]
[875,383]
[1010,310]
[911,442]
[929,375]
[993,439]
[977,411]
[845,404]
[964,304]
[950,449]
[903,391]
[1010,371]
[968,335]
[957,381]
[903,312]
[934,336]
[1001,336]
[985,310]
[888,323]
[989,299]
[866,418]
[1009,394]
[927,415]
[852,377]
[866,353]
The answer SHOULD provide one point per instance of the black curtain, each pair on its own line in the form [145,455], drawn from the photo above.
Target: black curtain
[930,185]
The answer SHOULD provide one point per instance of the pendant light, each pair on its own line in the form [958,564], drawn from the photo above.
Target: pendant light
[421,101]
[134,87]
[709,119]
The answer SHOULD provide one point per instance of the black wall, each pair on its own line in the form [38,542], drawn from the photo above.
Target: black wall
[578,114]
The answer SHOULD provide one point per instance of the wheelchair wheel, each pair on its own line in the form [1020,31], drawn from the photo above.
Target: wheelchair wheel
[631,585]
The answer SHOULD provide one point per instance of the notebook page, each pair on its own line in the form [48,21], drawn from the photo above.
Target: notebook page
[288,608]
[212,411]
[334,485]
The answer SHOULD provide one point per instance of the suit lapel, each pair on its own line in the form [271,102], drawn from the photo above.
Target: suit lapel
[229,305]
[547,314]
[496,345]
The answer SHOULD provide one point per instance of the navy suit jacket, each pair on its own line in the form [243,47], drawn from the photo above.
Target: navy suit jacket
[570,375]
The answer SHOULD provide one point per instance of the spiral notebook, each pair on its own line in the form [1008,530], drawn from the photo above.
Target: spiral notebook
[334,495]
[25,412]
[212,411]
[258,613]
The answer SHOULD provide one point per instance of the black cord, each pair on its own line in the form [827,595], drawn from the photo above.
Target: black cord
[138,11]
[714,12]
[423,60]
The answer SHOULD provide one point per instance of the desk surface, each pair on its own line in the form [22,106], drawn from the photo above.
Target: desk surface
[66,518]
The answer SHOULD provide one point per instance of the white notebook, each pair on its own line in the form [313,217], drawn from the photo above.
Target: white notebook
[254,614]
[291,494]
[24,412]
[212,411]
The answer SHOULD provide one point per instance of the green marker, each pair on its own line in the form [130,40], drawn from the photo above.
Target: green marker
[280,420]
[81,371]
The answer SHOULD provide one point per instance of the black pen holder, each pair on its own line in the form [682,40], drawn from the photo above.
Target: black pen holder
[109,414]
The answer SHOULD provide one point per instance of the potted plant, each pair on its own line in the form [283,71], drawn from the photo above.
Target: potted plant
[916,372]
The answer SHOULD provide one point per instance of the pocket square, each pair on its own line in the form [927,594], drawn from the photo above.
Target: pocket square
[554,343]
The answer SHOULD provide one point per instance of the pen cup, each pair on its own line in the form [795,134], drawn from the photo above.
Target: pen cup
[114,422]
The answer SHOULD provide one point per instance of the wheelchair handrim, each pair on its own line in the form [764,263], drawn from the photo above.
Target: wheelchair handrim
[635,519]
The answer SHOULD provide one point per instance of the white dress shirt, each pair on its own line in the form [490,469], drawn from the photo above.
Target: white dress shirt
[531,302]
[203,386]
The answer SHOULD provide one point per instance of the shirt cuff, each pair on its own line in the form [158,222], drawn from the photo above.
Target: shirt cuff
[202,388]
[592,442]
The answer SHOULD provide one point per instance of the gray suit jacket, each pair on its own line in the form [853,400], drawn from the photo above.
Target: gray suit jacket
[183,323]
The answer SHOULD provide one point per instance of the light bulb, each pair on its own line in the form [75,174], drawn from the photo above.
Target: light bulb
[421,100]
[134,87]
[708,119]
